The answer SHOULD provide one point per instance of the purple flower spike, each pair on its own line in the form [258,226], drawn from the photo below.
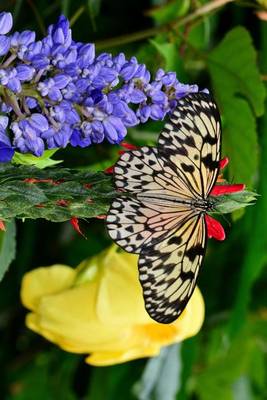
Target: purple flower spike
[68,95]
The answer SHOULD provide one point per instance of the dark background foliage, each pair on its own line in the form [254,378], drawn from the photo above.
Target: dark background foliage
[227,359]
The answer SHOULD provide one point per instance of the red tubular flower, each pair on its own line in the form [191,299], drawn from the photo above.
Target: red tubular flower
[101,216]
[214,228]
[109,170]
[62,203]
[2,226]
[75,223]
[220,190]
[34,180]
[128,146]
[224,161]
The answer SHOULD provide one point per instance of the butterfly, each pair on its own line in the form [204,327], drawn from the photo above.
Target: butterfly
[164,197]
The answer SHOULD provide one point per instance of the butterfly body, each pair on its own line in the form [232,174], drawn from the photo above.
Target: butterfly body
[168,195]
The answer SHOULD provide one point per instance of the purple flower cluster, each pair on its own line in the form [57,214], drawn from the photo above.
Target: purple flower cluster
[56,92]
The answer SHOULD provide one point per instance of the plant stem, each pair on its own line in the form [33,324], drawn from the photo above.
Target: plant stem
[144,34]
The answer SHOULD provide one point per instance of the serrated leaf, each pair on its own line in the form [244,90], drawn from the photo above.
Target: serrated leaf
[7,247]
[39,162]
[240,94]
[53,194]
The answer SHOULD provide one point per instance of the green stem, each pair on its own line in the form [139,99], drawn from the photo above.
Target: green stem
[147,33]
[76,15]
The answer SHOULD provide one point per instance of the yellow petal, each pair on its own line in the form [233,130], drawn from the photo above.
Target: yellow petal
[192,318]
[120,298]
[111,358]
[43,281]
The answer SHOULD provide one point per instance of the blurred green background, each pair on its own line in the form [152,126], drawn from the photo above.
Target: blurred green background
[225,50]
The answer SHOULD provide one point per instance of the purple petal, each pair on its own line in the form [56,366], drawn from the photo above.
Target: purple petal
[6,152]
[156,112]
[128,71]
[86,55]
[137,96]
[39,122]
[14,85]
[55,94]
[3,122]
[25,72]
[4,45]
[114,129]
[61,80]
[6,22]
[159,97]
[77,139]
[97,132]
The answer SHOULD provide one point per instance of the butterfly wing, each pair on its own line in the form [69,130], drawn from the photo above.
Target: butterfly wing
[191,141]
[136,226]
[153,213]
[168,273]
[161,222]
[143,171]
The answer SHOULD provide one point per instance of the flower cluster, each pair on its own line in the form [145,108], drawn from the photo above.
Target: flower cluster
[56,91]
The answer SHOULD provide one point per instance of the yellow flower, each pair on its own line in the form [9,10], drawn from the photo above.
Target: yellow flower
[98,308]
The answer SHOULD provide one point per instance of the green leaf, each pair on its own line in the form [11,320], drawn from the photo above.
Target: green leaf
[255,256]
[7,247]
[240,93]
[38,376]
[39,162]
[94,7]
[170,54]
[234,201]
[161,377]
[224,365]
[170,11]
[53,194]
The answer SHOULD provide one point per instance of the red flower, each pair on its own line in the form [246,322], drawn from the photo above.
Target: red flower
[2,226]
[75,223]
[214,228]
[109,170]
[220,190]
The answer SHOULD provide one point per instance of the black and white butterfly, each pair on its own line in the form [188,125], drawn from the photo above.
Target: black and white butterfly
[163,216]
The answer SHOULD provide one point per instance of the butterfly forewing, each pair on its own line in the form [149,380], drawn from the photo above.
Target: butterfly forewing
[143,171]
[191,141]
[162,218]
[137,226]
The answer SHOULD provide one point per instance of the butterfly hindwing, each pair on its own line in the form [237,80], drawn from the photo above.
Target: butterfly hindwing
[191,140]
[168,273]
